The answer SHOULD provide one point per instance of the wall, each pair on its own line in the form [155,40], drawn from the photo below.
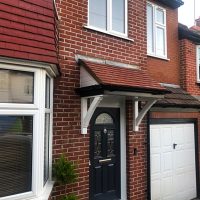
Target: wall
[28,30]
[188,67]
[76,39]
[167,71]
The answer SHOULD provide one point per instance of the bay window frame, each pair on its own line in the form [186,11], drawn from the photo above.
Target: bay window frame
[156,25]
[37,111]
[109,29]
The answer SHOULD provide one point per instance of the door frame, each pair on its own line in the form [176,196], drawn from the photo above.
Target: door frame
[154,121]
[119,103]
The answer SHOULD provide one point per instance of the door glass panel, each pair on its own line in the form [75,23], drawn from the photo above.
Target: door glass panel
[104,118]
[110,143]
[97,144]
[16,136]
[16,86]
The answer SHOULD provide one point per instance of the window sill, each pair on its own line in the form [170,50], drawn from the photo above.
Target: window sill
[109,33]
[44,195]
[158,57]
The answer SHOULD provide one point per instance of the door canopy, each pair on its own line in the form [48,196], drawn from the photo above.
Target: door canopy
[101,77]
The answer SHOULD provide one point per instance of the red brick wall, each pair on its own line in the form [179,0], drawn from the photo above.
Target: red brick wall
[136,164]
[188,67]
[167,71]
[75,39]
[27,30]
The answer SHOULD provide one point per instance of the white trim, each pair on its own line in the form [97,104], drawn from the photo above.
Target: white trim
[159,57]
[155,26]
[109,29]
[197,63]
[109,33]
[123,149]
[109,102]
[50,68]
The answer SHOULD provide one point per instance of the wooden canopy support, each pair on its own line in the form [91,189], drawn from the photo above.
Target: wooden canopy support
[138,116]
[88,111]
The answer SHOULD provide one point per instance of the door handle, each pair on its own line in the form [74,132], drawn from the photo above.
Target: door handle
[105,160]
[174,145]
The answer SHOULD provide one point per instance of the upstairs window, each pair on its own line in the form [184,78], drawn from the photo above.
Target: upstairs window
[108,15]
[198,64]
[156,31]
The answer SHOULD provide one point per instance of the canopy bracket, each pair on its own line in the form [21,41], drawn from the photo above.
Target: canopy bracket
[88,111]
[138,116]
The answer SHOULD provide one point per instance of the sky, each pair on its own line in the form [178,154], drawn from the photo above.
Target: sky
[186,12]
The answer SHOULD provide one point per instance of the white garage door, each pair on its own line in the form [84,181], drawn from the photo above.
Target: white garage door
[172,156]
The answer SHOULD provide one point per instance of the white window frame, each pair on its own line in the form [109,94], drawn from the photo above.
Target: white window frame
[37,110]
[198,63]
[155,25]
[109,21]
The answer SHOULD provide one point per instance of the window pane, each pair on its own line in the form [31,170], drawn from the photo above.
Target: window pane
[150,41]
[16,86]
[47,95]
[46,147]
[199,61]
[16,134]
[97,13]
[160,41]
[118,15]
[160,16]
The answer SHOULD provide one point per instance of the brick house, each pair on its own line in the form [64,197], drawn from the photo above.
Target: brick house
[115,96]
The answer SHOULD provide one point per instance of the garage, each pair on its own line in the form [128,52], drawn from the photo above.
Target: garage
[172,162]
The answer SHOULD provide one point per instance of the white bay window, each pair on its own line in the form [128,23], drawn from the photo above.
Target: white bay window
[198,63]
[156,31]
[25,131]
[108,16]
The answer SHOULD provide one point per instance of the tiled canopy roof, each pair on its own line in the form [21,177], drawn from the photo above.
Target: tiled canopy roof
[121,77]
[178,98]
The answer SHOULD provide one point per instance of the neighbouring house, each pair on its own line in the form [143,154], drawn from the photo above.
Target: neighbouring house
[28,65]
[111,84]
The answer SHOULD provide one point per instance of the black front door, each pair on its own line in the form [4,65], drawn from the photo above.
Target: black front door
[105,155]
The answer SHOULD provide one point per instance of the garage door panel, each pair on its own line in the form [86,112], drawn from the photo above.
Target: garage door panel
[156,161]
[178,135]
[173,170]
[156,190]
[167,162]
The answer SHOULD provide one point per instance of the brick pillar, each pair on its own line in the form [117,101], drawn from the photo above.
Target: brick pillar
[136,164]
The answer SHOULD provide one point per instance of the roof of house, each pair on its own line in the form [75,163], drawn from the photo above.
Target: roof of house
[172,3]
[114,78]
[29,30]
[178,98]
[191,34]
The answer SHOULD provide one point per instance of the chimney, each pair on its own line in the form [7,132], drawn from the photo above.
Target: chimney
[198,22]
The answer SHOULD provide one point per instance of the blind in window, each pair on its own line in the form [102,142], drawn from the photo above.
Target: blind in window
[16,134]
